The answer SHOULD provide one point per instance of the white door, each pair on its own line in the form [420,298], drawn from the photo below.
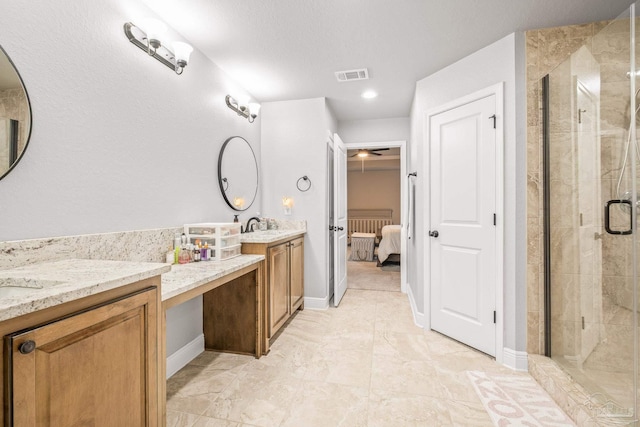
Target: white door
[462,232]
[340,218]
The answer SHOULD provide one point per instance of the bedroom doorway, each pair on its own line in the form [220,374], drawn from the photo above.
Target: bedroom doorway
[376,197]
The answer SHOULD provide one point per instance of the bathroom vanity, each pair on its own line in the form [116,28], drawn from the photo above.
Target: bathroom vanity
[82,337]
[283,273]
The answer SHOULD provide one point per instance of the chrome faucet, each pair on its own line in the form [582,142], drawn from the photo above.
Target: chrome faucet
[249,227]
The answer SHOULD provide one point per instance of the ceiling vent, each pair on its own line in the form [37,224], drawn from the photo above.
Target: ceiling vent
[351,75]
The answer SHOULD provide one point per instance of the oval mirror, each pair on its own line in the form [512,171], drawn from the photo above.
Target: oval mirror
[238,173]
[15,115]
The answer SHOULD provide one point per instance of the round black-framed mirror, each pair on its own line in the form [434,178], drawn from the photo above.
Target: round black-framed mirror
[238,173]
[15,115]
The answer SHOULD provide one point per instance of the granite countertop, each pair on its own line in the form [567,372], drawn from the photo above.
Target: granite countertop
[35,287]
[269,236]
[184,277]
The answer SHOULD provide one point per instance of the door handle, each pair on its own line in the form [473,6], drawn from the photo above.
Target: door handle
[434,234]
[339,228]
[332,228]
[607,224]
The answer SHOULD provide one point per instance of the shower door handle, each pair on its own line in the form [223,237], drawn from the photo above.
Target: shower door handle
[607,223]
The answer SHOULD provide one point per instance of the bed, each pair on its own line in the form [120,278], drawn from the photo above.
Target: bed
[390,243]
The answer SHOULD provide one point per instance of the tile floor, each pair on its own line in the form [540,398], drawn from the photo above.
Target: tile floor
[362,364]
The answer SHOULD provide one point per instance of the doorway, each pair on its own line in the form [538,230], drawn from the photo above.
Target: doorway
[374,219]
[392,161]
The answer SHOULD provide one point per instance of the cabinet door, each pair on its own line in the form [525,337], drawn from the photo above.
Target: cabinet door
[279,287]
[297,273]
[95,368]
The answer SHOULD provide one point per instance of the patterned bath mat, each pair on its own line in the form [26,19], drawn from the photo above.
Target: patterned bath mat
[517,401]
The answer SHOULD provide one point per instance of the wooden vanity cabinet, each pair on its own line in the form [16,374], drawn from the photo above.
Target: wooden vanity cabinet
[93,365]
[296,275]
[284,279]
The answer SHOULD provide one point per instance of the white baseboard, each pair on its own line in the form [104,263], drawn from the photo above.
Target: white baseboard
[418,318]
[516,360]
[316,303]
[183,356]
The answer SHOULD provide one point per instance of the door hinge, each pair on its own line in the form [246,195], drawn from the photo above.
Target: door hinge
[494,120]
[494,316]
[582,322]
[494,219]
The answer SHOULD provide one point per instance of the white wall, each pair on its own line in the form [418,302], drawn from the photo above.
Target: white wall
[294,144]
[119,141]
[395,129]
[502,61]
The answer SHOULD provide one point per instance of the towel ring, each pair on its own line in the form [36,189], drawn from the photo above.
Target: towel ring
[304,178]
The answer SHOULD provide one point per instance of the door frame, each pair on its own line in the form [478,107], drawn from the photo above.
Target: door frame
[498,91]
[329,213]
[403,197]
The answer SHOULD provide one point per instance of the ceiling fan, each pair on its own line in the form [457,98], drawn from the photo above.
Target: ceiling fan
[364,152]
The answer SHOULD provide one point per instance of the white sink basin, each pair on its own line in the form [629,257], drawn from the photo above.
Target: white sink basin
[11,287]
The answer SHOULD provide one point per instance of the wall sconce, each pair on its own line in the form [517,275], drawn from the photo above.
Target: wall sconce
[287,204]
[242,106]
[238,202]
[149,41]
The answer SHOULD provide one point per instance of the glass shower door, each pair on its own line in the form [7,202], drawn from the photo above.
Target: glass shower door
[591,163]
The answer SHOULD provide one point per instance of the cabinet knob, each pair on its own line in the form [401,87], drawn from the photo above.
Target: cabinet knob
[27,347]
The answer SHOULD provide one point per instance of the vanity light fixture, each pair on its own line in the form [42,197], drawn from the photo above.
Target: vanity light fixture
[148,38]
[242,106]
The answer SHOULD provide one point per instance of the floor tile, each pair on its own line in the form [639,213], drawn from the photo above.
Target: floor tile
[406,410]
[363,364]
[321,404]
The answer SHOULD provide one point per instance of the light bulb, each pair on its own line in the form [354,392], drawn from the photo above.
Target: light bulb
[243,102]
[182,52]
[254,108]
[154,29]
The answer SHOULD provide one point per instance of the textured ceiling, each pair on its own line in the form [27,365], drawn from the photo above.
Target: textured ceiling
[290,49]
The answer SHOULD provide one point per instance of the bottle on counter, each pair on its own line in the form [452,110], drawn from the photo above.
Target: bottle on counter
[176,248]
[196,253]
[184,257]
[203,252]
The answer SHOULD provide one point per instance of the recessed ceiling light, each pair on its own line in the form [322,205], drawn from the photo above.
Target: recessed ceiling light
[369,94]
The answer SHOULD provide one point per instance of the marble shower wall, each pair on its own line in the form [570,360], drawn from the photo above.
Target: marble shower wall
[580,247]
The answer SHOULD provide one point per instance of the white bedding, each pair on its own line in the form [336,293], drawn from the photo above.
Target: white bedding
[390,243]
